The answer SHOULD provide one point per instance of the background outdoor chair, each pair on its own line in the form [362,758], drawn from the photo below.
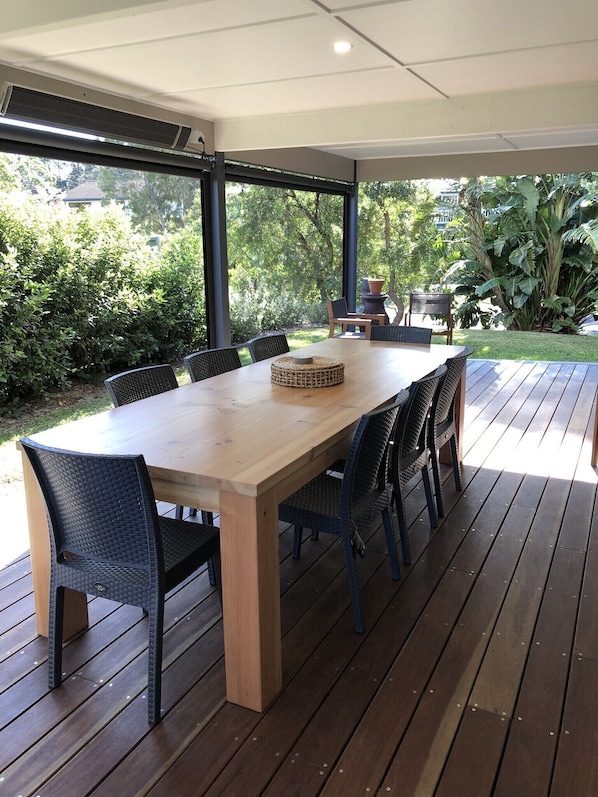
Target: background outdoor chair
[211,362]
[140,383]
[345,506]
[410,451]
[338,315]
[266,346]
[107,540]
[398,334]
[442,427]
[438,306]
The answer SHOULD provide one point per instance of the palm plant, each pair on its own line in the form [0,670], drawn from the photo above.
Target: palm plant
[531,246]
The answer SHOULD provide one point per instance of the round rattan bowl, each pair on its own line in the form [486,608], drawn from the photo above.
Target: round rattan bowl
[321,372]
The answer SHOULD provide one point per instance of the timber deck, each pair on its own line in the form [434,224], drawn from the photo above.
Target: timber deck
[478,674]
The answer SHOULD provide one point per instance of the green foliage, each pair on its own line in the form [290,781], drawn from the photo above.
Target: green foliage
[397,237]
[285,257]
[82,294]
[156,202]
[526,251]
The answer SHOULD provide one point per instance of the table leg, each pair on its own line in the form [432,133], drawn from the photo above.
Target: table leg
[75,603]
[251,598]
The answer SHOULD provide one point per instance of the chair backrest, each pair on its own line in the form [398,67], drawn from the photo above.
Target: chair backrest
[211,362]
[442,411]
[410,439]
[267,346]
[366,461]
[399,334]
[100,507]
[435,305]
[337,308]
[140,383]
[431,303]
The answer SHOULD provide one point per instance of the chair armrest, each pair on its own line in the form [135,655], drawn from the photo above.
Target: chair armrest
[354,321]
[377,318]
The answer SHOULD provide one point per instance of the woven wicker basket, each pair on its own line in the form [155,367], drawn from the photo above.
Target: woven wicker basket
[321,372]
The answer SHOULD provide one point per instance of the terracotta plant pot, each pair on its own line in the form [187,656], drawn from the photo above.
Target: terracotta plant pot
[375,285]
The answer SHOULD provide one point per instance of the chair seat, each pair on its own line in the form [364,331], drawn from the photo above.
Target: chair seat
[317,505]
[342,505]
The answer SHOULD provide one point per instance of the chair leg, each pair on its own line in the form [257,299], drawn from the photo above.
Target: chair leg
[405,546]
[354,585]
[456,464]
[429,498]
[56,622]
[437,482]
[297,540]
[211,573]
[154,662]
[208,519]
[391,544]
[216,563]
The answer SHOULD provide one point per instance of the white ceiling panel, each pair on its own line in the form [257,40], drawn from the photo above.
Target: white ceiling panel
[523,69]
[417,31]
[418,147]
[423,77]
[309,94]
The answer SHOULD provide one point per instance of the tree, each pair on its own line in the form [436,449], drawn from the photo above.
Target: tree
[285,256]
[32,175]
[527,251]
[156,202]
[396,237]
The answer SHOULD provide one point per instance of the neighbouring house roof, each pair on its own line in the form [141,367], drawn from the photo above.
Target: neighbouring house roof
[89,191]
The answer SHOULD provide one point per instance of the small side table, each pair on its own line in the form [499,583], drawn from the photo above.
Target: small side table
[374,303]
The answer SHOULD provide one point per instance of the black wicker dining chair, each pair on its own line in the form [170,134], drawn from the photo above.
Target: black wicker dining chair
[442,424]
[266,346]
[140,383]
[203,365]
[211,362]
[399,334]
[107,540]
[346,506]
[410,451]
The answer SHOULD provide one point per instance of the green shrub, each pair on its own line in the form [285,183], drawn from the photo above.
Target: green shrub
[82,294]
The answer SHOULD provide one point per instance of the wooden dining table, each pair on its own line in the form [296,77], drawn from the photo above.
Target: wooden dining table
[237,445]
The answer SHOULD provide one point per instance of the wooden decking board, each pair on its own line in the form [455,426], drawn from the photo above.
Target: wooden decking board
[277,732]
[471,767]
[363,762]
[26,652]
[425,746]
[496,686]
[527,445]
[102,760]
[534,728]
[576,766]
[121,666]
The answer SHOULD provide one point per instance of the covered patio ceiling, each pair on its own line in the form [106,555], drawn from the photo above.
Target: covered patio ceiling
[429,88]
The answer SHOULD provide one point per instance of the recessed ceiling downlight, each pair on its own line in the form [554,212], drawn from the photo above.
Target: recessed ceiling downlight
[342,47]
